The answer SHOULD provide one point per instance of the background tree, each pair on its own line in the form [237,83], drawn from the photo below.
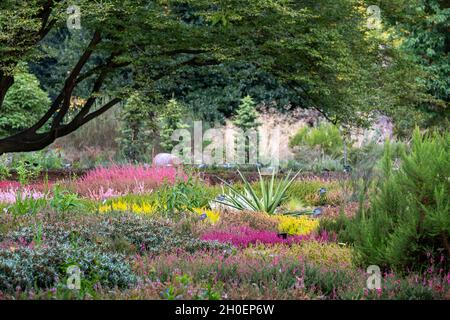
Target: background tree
[138,129]
[246,118]
[420,28]
[246,115]
[170,120]
[320,50]
[23,103]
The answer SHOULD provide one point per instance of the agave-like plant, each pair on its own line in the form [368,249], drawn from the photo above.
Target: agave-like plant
[271,196]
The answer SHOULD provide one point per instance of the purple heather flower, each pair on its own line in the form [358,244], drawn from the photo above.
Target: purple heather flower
[244,236]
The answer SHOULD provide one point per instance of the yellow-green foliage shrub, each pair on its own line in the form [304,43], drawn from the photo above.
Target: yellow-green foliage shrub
[324,254]
[302,225]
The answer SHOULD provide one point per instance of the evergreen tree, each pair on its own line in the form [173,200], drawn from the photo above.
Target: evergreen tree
[137,130]
[171,120]
[246,119]
[246,115]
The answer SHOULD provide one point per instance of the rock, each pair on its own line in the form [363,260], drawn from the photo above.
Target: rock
[166,160]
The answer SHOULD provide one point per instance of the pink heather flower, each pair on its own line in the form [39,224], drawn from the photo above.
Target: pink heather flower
[127,179]
[10,196]
[5,185]
[245,236]
[101,194]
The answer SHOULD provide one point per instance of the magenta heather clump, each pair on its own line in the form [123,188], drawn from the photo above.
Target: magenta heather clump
[245,236]
[118,180]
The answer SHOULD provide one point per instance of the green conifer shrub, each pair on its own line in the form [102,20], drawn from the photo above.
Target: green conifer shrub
[171,120]
[407,224]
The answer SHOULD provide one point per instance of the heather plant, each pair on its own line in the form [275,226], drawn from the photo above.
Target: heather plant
[308,191]
[126,179]
[118,233]
[408,219]
[349,209]
[254,220]
[340,225]
[43,266]
[265,272]
[297,226]
[121,205]
[332,198]
[244,236]
[137,233]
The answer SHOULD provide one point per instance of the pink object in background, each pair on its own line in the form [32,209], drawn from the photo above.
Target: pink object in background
[166,160]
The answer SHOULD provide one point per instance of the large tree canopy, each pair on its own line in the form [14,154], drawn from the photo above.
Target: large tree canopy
[321,50]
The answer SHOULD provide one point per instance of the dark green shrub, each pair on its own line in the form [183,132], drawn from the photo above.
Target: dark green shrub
[143,234]
[43,267]
[408,221]
[137,129]
[24,103]
[114,232]
[173,117]
[339,226]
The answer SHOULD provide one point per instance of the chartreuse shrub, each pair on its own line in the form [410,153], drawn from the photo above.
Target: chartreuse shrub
[408,221]
[122,205]
[298,226]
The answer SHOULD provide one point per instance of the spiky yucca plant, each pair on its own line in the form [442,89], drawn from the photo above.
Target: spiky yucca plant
[272,194]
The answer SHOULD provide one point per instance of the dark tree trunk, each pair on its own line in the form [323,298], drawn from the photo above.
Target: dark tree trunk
[29,140]
[5,83]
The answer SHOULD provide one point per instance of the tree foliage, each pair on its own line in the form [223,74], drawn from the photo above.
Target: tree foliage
[419,28]
[246,115]
[23,104]
[321,51]
[138,129]
[171,118]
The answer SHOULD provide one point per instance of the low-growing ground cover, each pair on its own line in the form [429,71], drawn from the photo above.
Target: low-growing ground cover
[174,238]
